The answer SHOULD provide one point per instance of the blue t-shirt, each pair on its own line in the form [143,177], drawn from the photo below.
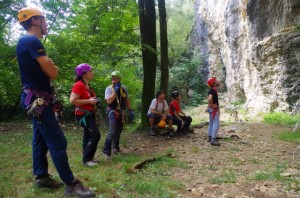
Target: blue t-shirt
[28,49]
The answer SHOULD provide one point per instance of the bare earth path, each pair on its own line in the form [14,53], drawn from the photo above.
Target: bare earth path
[250,162]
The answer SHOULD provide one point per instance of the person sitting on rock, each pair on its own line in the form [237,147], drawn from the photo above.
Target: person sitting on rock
[179,118]
[159,110]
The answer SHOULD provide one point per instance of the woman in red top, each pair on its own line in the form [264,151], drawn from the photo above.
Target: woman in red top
[179,118]
[85,100]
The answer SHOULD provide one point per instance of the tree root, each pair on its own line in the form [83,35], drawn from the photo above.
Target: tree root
[141,164]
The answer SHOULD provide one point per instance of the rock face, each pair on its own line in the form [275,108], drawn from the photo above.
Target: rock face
[253,46]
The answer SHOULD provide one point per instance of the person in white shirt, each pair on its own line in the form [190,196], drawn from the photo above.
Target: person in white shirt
[158,110]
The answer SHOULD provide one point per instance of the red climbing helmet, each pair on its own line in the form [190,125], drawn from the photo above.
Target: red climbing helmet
[82,68]
[211,81]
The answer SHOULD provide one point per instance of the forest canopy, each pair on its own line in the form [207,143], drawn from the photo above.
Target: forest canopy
[104,34]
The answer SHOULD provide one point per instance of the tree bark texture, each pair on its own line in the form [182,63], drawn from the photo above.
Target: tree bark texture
[149,54]
[164,66]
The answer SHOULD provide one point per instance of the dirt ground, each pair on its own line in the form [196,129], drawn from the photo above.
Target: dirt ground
[245,165]
[250,162]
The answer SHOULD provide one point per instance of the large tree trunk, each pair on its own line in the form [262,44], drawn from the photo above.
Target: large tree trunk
[148,41]
[164,67]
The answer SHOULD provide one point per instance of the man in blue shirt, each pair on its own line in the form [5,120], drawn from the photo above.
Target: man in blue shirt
[37,71]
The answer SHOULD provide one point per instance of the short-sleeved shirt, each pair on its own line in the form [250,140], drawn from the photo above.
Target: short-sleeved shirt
[215,96]
[121,96]
[158,106]
[174,106]
[80,89]
[29,48]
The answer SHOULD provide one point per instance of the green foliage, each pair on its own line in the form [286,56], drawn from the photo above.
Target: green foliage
[271,174]
[297,28]
[288,136]
[281,118]
[184,76]
[227,176]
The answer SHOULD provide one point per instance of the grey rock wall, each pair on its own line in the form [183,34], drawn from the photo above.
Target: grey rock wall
[253,46]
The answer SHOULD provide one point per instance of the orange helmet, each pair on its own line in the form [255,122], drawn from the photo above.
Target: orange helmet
[211,81]
[161,124]
[28,12]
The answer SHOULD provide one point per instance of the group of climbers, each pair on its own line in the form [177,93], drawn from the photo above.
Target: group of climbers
[37,72]
[160,113]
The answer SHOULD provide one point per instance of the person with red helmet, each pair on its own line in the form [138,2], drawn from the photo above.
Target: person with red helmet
[182,120]
[214,111]
[85,100]
[37,71]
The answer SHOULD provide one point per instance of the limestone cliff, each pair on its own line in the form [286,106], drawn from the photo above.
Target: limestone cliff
[254,47]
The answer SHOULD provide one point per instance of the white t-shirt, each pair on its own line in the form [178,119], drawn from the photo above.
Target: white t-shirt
[158,106]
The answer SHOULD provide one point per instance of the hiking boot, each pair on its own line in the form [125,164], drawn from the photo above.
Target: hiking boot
[106,156]
[77,189]
[90,163]
[171,132]
[47,182]
[190,130]
[214,142]
[209,139]
[152,132]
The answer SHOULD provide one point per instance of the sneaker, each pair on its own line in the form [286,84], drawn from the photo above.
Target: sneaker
[47,182]
[214,142]
[96,161]
[106,156]
[90,163]
[152,132]
[117,151]
[77,189]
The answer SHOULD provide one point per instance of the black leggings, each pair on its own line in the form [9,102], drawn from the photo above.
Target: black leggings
[91,137]
[187,121]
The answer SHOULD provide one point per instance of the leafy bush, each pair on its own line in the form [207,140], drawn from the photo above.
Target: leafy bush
[281,118]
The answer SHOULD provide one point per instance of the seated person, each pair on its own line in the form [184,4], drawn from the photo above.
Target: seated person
[179,118]
[159,110]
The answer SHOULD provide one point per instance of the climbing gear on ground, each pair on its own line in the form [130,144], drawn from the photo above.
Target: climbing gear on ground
[28,12]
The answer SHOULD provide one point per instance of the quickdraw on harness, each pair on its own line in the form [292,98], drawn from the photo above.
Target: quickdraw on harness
[36,107]
[118,108]
[82,120]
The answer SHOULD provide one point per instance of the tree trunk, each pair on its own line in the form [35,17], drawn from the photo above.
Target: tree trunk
[148,42]
[164,67]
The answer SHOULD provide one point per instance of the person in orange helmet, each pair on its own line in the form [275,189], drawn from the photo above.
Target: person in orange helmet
[37,71]
[214,111]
